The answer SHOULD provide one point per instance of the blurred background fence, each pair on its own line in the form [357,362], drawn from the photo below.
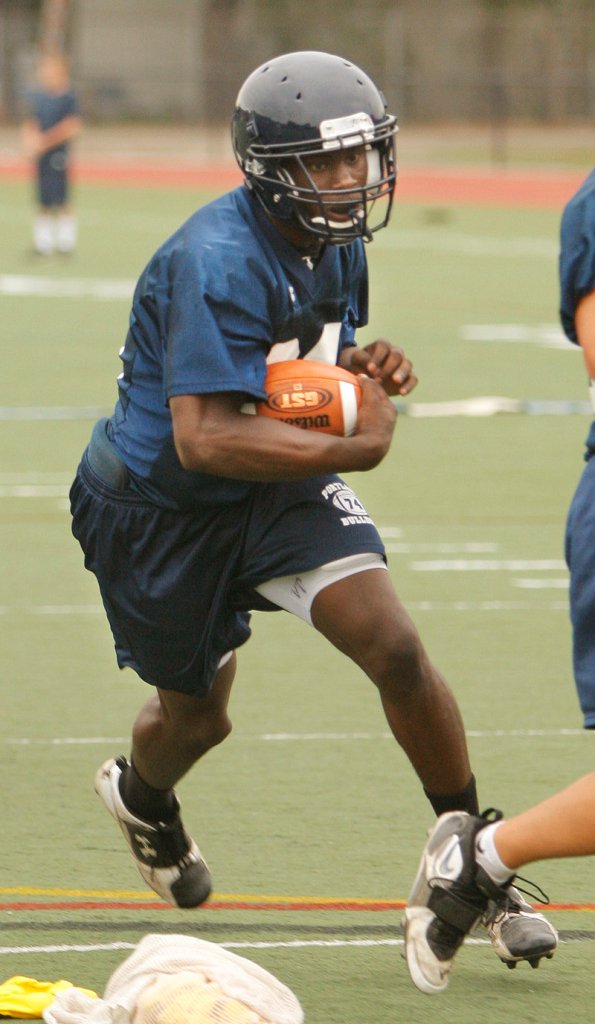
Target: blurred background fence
[438,61]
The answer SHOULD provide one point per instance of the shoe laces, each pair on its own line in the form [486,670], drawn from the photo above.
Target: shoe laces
[509,902]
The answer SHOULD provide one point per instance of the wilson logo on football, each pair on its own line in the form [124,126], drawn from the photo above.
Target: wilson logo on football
[298,398]
[310,394]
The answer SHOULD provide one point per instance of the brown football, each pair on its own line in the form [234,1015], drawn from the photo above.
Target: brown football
[312,395]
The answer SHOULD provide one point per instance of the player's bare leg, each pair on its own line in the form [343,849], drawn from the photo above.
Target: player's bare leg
[362,616]
[173,730]
[561,826]
[170,734]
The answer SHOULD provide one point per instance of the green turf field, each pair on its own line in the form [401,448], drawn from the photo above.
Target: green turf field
[309,815]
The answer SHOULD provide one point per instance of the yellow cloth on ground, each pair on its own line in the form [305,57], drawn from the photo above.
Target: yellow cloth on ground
[28,998]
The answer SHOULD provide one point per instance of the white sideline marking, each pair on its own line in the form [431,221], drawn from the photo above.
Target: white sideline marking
[288,737]
[546,335]
[418,606]
[65,741]
[53,609]
[105,289]
[490,405]
[485,606]
[34,491]
[108,947]
[553,584]
[475,733]
[51,412]
[478,407]
[468,548]
[488,565]
[94,948]
[34,477]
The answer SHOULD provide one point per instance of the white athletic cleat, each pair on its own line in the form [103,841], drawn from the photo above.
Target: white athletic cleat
[166,856]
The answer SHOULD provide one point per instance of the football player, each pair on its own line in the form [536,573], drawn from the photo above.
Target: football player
[577,312]
[52,123]
[468,861]
[191,513]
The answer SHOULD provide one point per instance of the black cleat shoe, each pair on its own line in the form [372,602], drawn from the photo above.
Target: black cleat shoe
[517,931]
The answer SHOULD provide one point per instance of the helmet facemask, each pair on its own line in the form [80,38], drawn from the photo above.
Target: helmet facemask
[363,210]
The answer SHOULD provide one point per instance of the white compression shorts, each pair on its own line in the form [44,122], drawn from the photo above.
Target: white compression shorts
[295,594]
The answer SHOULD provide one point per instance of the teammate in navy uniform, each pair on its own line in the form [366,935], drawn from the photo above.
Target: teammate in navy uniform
[52,123]
[191,512]
[445,905]
[577,312]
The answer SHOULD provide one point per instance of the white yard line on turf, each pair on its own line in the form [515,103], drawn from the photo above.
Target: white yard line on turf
[488,565]
[476,407]
[415,606]
[287,737]
[545,335]
[105,289]
[109,947]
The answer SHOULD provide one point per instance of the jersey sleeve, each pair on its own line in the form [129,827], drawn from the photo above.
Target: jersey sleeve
[218,329]
[577,254]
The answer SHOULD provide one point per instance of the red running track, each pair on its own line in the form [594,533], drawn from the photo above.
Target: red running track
[546,189]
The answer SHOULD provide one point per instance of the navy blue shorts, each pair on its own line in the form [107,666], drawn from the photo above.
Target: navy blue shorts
[580,556]
[178,587]
[52,179]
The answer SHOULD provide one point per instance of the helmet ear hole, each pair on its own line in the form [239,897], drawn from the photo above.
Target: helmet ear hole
[251,129]
[374,172]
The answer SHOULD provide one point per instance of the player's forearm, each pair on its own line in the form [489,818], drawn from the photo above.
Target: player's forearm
[64,131]
[266,451]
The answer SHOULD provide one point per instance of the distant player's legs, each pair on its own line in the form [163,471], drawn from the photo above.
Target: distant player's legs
[362,617]
[66,230]
[43,232]
[55,226]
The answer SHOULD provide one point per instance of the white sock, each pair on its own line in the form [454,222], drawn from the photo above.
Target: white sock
[66,232]
[43,234]
[487,856]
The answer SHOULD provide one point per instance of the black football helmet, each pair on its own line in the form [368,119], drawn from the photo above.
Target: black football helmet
[308,103]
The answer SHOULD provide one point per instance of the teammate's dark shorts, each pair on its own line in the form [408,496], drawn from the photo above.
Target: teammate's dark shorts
[178,587]
[52,178]
[580,556]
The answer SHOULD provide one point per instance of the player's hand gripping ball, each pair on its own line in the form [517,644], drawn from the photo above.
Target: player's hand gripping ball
[312,395]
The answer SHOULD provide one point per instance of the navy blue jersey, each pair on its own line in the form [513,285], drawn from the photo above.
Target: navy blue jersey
[49,109]
[577,253]
[222,297]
